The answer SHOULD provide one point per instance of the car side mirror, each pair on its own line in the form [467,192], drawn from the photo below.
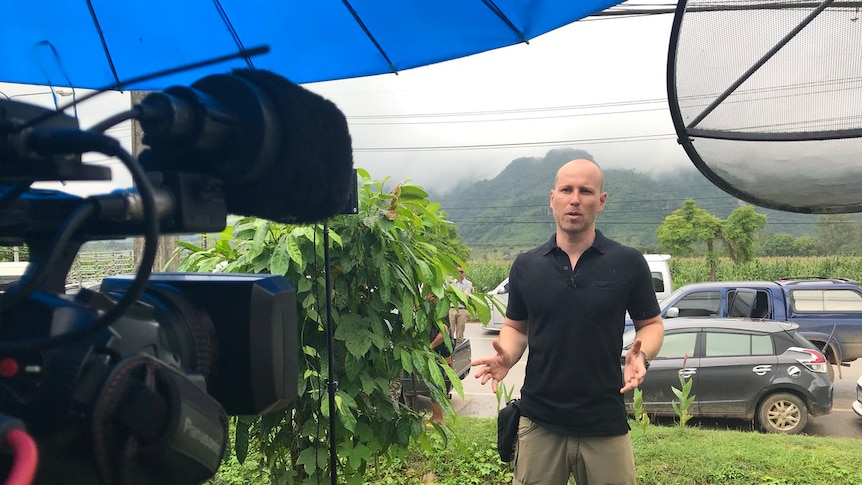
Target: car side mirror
[672,312]
[742,304]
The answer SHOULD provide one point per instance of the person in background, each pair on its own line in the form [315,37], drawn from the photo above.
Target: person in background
[458,315]
[438,344]
[567,303]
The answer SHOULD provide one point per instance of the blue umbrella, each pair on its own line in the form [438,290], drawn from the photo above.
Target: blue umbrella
[102,43]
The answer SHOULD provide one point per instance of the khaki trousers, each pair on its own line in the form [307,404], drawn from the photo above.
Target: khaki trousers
[458,318]
[544,457]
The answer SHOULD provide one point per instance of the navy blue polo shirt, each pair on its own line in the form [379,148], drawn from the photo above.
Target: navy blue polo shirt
[576,321]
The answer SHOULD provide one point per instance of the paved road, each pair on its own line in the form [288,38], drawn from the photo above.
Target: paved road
[479,401]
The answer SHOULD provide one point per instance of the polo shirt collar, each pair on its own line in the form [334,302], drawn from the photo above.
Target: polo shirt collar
[601,243]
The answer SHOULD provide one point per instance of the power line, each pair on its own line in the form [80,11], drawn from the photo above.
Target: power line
[495,120]
[783,88]
[511,111]
[592,141]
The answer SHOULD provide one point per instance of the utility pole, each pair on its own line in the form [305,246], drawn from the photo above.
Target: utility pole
[167,244]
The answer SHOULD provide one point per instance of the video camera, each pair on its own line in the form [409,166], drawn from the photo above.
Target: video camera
[133,382]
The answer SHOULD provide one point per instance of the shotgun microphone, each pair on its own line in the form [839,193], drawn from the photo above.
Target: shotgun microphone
[282,152]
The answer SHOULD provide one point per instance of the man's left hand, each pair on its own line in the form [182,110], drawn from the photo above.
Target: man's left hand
[634,370]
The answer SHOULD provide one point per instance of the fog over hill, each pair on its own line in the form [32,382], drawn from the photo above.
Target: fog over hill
[511,209]
[509,212]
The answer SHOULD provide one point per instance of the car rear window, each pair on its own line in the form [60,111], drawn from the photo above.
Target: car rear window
[796,340]
[721,344]
[658,282]
[826,300]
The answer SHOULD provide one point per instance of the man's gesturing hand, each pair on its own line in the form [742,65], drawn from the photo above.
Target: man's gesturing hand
[635,369]
[494,367]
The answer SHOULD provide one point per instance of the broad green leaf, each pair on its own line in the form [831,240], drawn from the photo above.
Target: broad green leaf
[260,233]
[419,362]
[303,285]
[435,374]
[227,232]
[369,384]
[279,261]
[406,360]
[293,249]
[335,238]
[313,456]
[345,405]
[424,270]
[413,192]
[241,440]
[189,246]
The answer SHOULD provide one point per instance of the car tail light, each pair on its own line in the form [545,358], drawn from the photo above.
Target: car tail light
[813,361]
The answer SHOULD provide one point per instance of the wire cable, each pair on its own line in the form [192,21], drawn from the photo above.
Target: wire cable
[26,457]
[33,281]
[112,120]
[109,146]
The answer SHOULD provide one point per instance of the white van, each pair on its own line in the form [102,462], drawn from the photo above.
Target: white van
[660,269]
[661,279]
[11,272]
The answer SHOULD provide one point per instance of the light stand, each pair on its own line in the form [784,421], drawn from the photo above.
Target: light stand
[331,383]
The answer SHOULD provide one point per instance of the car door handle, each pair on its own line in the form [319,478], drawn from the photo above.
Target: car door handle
[762,370]
[687,372]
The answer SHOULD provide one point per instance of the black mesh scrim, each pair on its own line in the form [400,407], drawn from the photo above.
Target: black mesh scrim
[766,98]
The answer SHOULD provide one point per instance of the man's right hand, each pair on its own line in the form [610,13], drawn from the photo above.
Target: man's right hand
[493,367]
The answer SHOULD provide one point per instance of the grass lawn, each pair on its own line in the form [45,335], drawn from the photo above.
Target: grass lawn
[666,455]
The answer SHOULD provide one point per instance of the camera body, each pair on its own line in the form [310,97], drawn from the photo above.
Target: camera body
[146,399]
[150,394]
[237,330]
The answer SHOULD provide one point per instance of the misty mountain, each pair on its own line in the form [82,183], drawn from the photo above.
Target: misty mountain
[511,210]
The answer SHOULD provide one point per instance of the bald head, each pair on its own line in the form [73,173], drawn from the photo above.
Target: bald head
[576,200]
[579,165]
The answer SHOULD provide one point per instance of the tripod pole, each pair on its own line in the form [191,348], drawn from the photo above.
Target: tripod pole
[331,383]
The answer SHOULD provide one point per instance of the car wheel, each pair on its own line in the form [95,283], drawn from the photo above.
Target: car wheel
[783,413]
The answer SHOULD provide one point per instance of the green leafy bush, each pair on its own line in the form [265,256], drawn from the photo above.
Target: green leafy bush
[384,261]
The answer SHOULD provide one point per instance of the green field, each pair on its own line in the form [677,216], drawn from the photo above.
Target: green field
[486,274]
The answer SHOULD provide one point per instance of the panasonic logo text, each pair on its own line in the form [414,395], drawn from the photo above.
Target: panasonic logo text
[200,436]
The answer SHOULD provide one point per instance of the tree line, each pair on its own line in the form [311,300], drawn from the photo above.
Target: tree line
[692,230]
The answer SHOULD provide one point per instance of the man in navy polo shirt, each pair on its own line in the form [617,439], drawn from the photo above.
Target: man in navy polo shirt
[567,304]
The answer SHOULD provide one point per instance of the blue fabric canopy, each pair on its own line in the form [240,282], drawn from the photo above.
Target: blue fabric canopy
[103,43]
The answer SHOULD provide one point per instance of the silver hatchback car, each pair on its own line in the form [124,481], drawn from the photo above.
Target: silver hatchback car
[857,404]
[758,370]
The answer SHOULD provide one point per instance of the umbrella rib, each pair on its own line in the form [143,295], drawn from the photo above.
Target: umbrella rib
[370,37]
[499,13]
[232,31]
[104,44]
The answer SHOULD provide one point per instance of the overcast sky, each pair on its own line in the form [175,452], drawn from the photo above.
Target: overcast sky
[597,85]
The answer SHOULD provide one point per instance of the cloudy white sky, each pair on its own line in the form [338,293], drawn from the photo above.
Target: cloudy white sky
[597,85]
